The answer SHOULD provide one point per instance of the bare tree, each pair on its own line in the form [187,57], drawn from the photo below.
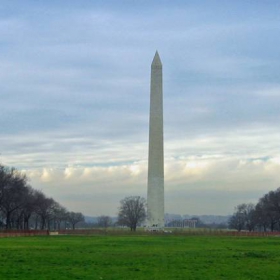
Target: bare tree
[236,221]
[59,215]
[273,206]
[104,221]
[44,209]
[266,215]
[250,220]
[13,189]
[132,211]
[6,175]
[28,209]
[244,217]
[74,218]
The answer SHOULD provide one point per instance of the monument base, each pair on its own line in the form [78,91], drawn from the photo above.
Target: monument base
[154,229]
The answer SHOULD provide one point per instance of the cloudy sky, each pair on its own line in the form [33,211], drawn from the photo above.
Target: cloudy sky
[74,99]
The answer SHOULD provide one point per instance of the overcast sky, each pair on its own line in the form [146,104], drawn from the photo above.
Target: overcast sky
[74,100]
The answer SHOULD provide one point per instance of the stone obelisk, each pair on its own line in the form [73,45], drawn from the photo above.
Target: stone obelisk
[155,199]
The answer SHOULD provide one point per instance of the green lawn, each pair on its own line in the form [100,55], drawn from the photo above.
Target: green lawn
[139,257]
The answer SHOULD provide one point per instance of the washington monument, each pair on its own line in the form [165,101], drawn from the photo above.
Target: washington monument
[156,160]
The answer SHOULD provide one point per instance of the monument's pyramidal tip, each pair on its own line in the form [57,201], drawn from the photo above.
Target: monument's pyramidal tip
[156,60]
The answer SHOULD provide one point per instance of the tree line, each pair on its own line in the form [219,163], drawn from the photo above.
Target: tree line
[23,207]
[264,216]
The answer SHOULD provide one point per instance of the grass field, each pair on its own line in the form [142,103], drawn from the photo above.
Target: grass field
[139,257]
